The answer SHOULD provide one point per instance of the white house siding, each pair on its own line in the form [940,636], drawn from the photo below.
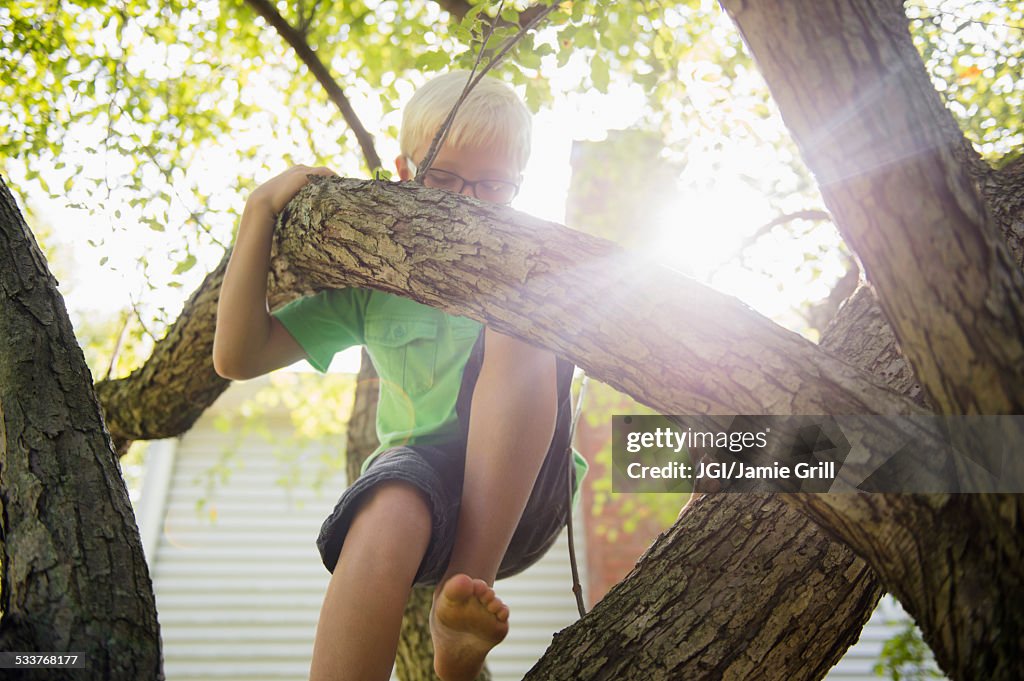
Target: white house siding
[238,594]
[860,659]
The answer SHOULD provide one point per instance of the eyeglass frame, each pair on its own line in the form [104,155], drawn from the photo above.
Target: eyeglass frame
[472,184]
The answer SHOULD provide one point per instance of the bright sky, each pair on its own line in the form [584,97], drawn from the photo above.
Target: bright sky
[701,227]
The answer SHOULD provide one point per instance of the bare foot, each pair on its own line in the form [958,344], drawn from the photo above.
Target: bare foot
[466,621]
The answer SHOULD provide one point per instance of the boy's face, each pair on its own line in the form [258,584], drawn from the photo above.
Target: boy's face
[470,171]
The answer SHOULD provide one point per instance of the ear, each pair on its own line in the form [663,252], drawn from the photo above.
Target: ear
[404,171]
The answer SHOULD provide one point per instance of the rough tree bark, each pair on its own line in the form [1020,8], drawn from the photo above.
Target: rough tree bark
[732,591]
[903,187]
[74,577]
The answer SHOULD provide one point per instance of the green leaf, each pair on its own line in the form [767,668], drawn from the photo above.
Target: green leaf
[470,17]
[510,15]
[599,74]
[186,264]
[435,60]
[578,8]
[529,59]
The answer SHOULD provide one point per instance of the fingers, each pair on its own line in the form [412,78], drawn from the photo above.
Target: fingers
[321,170]
[278,191]
[310,170]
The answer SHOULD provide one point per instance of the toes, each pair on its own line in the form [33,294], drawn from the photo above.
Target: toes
[481,589]
[460,588]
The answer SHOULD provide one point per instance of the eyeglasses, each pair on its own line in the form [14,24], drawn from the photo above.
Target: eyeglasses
[495,191]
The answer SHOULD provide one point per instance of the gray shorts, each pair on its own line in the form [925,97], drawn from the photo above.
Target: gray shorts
[437,471]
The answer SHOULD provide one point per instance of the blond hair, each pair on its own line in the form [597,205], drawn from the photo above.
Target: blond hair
[491,116]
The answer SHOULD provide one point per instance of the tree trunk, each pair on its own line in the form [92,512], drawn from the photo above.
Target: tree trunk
[903,187]
[888,157]
[1004,194]
[74,577]
[361,433]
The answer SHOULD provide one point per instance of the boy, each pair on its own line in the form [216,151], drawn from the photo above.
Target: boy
[470,480]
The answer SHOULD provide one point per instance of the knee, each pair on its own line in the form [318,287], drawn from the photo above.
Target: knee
[394,502]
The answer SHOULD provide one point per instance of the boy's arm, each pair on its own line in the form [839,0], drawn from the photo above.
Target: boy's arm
[248,341]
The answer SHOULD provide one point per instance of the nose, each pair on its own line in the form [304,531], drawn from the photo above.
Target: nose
[467,190]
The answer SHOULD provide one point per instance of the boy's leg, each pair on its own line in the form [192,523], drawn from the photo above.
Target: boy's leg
[512,420]
[357,634]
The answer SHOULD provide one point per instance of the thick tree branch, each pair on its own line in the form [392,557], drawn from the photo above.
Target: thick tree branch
[668,341]
[672,343]
[729,592]
[889,159]
[1004,194]
[962,583]
[297,41]
[903,185]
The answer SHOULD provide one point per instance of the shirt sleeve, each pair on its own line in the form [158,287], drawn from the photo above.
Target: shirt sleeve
[326,323]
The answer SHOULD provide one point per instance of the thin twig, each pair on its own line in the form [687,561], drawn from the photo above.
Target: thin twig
[471,82]
[959,17]
[138,315]
[442,134]
[302,49]
[117,347]
[810,214]
[577,588]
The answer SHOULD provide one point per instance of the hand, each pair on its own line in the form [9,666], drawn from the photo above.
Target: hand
[274,194]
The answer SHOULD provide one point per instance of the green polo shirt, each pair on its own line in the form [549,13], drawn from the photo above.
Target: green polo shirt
[419,352]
